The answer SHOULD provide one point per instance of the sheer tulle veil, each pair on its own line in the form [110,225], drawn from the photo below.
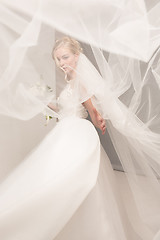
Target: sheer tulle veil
[137,146]
[119,70]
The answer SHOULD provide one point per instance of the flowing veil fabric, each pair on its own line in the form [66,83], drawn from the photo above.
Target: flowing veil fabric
[121,75]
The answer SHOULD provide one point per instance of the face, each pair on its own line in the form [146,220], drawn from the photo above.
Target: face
[67,60]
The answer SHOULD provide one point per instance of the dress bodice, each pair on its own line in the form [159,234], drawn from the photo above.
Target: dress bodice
[69,104]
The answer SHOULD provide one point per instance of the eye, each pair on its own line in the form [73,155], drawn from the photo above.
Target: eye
[65,57]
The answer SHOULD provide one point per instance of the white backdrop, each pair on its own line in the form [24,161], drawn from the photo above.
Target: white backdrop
[18,138]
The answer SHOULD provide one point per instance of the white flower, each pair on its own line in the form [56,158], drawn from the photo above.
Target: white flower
[40,89]
[44,93]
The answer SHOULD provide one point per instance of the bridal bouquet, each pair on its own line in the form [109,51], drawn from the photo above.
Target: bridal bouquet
[44,93]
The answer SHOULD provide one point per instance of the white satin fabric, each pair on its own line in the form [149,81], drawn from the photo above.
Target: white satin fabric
[67,104]
[41,195]
[43,192]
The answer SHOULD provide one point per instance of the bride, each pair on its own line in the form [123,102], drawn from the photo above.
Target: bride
[66,188]
[42,194]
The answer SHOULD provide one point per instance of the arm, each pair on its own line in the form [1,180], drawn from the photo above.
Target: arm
[96,118]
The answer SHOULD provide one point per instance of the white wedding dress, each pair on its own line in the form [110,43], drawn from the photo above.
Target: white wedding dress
[42,194]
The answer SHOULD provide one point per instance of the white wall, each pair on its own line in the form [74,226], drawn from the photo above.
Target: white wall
[18,138]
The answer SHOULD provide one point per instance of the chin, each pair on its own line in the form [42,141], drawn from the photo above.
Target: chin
[68,72]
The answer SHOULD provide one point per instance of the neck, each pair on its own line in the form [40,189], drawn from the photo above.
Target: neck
[71,76]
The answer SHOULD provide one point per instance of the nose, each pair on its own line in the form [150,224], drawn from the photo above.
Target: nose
[61,62]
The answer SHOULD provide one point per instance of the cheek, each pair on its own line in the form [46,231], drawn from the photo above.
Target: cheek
[74,62]
[70,62]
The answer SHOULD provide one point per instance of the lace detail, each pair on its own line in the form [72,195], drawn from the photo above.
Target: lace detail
[69,104]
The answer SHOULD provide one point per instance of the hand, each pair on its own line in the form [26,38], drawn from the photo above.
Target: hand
[98,121]
[52,107]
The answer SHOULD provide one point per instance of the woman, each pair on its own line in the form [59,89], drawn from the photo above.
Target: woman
[102,214]
[42,194]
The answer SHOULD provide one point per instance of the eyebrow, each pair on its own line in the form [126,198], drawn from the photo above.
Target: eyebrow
[62,56]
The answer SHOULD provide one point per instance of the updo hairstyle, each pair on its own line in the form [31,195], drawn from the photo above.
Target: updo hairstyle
[69,43]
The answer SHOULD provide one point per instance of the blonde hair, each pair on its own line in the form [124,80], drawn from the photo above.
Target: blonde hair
[69,43]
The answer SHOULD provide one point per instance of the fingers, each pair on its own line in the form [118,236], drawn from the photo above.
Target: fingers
[103,130]
[103,127]
[101,123]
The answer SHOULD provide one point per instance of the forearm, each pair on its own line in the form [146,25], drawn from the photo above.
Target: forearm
[89,106]
[96,118]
